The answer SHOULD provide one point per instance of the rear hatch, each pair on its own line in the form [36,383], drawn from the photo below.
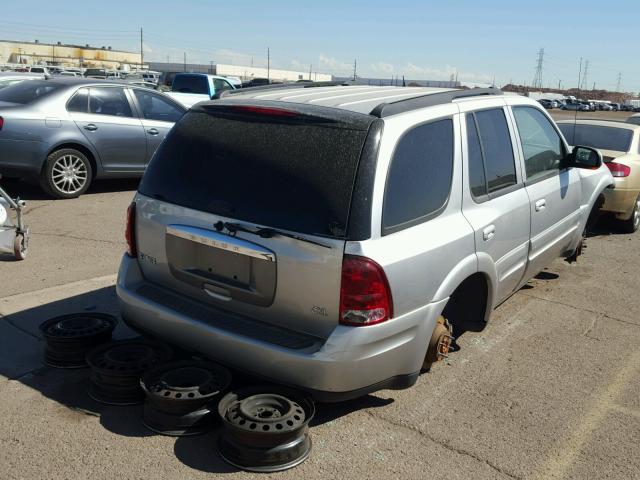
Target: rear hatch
[245,208]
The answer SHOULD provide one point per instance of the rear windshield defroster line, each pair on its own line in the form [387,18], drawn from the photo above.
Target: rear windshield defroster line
[289,173]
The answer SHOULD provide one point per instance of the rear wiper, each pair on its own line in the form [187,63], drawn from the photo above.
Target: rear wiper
[265,232]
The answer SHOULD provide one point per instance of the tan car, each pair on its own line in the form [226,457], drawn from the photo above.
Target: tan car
[619,143]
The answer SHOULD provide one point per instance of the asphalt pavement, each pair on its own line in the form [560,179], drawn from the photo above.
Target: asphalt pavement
[550,389]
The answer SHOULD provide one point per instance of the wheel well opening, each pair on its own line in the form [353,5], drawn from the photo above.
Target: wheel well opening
[81,148]
[467,305]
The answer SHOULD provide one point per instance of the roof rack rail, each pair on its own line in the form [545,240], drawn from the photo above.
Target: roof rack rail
[276,86]
[429,100]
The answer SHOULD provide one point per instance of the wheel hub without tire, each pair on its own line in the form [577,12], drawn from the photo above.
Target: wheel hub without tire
[440,343]
[265,429]
[180,396]
[116,369]
[70,337]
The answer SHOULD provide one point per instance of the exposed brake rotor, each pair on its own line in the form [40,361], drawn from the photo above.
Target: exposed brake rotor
[440,343]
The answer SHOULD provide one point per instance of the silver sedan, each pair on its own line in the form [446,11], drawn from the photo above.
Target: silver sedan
[66,132]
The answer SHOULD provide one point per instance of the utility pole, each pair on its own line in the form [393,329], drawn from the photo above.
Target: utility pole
[585,75]
[619,83]
[579,74]
[310,66]
[185,61]
[211,66]
[355,65]
[537,79]
[141,50]
[559,84]
[269,64]
[53,54]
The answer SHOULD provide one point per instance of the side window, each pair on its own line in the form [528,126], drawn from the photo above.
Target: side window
[497,151]
[219,85]
[154,107]
[419,178]
[109,101]
[79,102]
[542,146]
[477,179]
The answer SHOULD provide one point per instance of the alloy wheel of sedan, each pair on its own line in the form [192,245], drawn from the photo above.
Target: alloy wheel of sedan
[69,174]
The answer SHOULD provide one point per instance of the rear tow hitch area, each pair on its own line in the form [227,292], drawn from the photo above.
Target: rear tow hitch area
[440,343]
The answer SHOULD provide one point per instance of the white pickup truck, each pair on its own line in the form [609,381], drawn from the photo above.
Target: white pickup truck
[191,88]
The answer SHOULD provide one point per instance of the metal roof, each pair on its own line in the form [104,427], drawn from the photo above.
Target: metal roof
[356,98]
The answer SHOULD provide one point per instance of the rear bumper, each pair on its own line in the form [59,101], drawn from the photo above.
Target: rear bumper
[351,362]
[21,158]
[620,201]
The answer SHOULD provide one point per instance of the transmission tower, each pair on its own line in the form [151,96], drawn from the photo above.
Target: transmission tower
[585,76]
[537,79]
[619,83]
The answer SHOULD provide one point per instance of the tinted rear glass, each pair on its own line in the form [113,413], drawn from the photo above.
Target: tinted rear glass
[291,173]
[191,84]
[27,91]
[605,138]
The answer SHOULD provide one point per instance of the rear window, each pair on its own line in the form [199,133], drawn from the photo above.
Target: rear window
[294,173]
[27,92]
[191,84]
[604,138]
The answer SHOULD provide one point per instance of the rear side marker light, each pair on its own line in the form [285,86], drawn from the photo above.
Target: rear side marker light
[618,169]
[1,123]
[130,232]
[365,296]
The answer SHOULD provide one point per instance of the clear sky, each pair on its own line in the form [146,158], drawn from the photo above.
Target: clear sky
[419,39]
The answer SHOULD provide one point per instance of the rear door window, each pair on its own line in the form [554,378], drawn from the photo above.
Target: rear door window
[477,179]
[419,178]
[497,150]
[109,101]
[278,169]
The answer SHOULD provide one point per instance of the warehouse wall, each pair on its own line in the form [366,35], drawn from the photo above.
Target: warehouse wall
[37,53]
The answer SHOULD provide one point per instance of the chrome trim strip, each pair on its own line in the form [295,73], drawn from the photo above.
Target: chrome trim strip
[221,241]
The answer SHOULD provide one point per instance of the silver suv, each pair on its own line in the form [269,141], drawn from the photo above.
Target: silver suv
[319,236]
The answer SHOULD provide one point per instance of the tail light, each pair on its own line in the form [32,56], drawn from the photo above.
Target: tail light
[1,123]
[365,296]
[130,232]
[618,169]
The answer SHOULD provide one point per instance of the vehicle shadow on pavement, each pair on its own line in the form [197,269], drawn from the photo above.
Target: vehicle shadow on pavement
[31,191]
[22,359]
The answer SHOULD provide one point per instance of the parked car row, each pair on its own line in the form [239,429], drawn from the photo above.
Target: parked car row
[65,132]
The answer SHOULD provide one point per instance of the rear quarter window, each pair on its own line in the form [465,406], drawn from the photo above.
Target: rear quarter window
[419,178]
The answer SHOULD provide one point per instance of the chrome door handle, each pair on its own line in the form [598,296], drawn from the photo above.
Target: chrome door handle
[91,127]
[489,232]
[153,131]
[541,205]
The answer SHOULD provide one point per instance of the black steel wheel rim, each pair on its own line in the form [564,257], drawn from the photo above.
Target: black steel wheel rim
[180,396]
[116,369]
[265,429]
[70,337]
